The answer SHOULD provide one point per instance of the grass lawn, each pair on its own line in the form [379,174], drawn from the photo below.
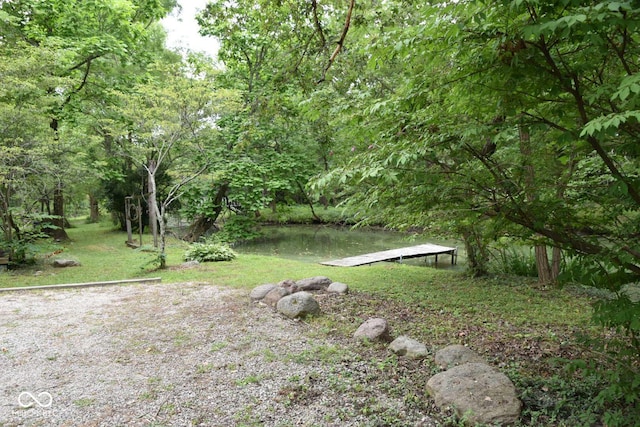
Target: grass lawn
[517,325]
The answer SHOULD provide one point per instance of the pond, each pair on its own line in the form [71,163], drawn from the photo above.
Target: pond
[316,243]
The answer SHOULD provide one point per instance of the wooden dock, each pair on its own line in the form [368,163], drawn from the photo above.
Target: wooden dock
[395,255]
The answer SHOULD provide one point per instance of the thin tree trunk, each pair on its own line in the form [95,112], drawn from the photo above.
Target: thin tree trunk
[309,202]
[545,273]
[153,216]
[477,256]
[161,211]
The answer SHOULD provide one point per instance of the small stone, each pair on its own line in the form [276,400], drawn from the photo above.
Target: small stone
[274,296]
[62,263]
[261,291]
[374,329]
[405,346]
[317,283]
[338,288]
[190,264]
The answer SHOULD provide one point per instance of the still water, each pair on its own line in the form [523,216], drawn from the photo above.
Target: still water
[323,243]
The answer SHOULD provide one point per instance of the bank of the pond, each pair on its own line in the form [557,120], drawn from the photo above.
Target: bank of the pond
[317,243]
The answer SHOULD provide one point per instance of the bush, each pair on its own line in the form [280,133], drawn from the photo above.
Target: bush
[204,252]
[515,261]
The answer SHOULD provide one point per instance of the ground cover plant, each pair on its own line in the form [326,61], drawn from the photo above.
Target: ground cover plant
[528,330]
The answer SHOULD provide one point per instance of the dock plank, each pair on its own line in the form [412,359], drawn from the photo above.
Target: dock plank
[423,250]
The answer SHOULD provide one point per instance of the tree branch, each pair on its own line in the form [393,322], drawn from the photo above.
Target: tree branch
[343,36]
[316,21]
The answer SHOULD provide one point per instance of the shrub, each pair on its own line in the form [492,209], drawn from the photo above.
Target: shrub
[204,252]
[515,261]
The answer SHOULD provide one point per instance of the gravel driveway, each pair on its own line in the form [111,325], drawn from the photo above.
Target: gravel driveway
[174,355]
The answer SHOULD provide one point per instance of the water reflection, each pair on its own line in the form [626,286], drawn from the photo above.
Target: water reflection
[324,243]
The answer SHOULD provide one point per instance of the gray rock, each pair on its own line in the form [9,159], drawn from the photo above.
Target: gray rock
[338,288]
[261,291]
[275,295]
[477,392]
[300,304]
[190,264]
[62,263]
[317,283]
[455,355]
[289,285]
[374,329]
[405,346]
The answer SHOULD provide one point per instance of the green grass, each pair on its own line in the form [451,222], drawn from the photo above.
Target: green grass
[104,257]
[502,317]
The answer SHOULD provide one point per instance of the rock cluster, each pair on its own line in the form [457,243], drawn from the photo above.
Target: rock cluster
[477,392]
[295,299]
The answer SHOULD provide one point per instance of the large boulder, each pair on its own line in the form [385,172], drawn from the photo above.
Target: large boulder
[374,329]
[300,304]
[318,283]
[405,346]
[477,392]
[455,355]
[261,291]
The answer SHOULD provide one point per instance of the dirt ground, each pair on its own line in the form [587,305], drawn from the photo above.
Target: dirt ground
[177,355]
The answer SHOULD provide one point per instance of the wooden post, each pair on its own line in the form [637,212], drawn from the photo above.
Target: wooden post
[153,218]
[139,214]
[127,215]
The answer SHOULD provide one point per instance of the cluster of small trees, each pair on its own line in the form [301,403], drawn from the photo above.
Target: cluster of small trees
[92,103]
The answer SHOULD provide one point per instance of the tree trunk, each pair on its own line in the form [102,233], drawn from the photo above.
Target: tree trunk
[477,255]
[316,218]
[545,275]
[556,257]
[160,214]
[58,232]
[545,272]
[6,214]
[204,223]
[94,209]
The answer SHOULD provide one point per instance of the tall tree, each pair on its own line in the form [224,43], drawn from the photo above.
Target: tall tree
[270,49]
[170,122]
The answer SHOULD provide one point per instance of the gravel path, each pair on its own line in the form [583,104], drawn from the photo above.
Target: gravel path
[173,355]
